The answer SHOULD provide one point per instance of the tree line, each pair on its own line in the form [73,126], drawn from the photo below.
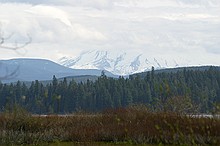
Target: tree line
[182,91]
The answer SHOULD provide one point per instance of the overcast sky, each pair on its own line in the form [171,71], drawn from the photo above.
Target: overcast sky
[58,28]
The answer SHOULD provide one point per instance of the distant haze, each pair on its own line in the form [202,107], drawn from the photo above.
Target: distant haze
[186,30]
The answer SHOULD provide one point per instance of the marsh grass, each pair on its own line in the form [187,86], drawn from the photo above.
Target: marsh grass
[130,125]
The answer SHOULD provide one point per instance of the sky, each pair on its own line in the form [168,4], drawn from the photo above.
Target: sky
[189,29]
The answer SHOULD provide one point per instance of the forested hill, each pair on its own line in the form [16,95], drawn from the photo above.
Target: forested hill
[175,70]
[181,91]
[77,79]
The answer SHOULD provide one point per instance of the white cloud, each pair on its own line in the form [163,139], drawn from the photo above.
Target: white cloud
[151,27]
[50,12]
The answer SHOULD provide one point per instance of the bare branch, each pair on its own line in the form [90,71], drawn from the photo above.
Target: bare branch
[9,74]
[15,46]
[6,74]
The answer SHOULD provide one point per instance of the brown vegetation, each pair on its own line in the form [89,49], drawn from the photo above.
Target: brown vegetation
[132,125]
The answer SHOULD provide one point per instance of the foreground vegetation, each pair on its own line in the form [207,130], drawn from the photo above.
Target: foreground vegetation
[168,98]
[134,125]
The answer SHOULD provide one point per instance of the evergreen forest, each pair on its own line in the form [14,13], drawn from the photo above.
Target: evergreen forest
[186,91]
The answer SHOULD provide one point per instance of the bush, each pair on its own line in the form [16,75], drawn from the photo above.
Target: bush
[131,125]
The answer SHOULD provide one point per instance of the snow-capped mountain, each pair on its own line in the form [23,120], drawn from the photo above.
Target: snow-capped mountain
[121,63]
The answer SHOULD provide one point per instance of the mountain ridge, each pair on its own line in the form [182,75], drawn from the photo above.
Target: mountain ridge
[26,69]
[121,63]
[175,70]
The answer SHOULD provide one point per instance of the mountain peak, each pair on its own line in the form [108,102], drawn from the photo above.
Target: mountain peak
[121,63]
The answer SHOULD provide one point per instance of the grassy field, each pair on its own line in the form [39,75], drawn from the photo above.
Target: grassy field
[130,126]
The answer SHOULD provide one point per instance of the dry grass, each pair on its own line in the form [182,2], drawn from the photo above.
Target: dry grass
[132,125]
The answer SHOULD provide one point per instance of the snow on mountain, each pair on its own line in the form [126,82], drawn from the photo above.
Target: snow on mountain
[121,63]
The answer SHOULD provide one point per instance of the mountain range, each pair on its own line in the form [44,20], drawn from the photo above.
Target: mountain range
[43,70]
[121,63]
[39,69]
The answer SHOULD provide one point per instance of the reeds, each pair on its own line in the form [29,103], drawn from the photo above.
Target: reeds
[131,125]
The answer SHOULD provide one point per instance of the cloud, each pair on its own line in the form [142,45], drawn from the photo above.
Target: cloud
[50,12]
[110,3]
[99,4]
[201,2]
[149,27]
